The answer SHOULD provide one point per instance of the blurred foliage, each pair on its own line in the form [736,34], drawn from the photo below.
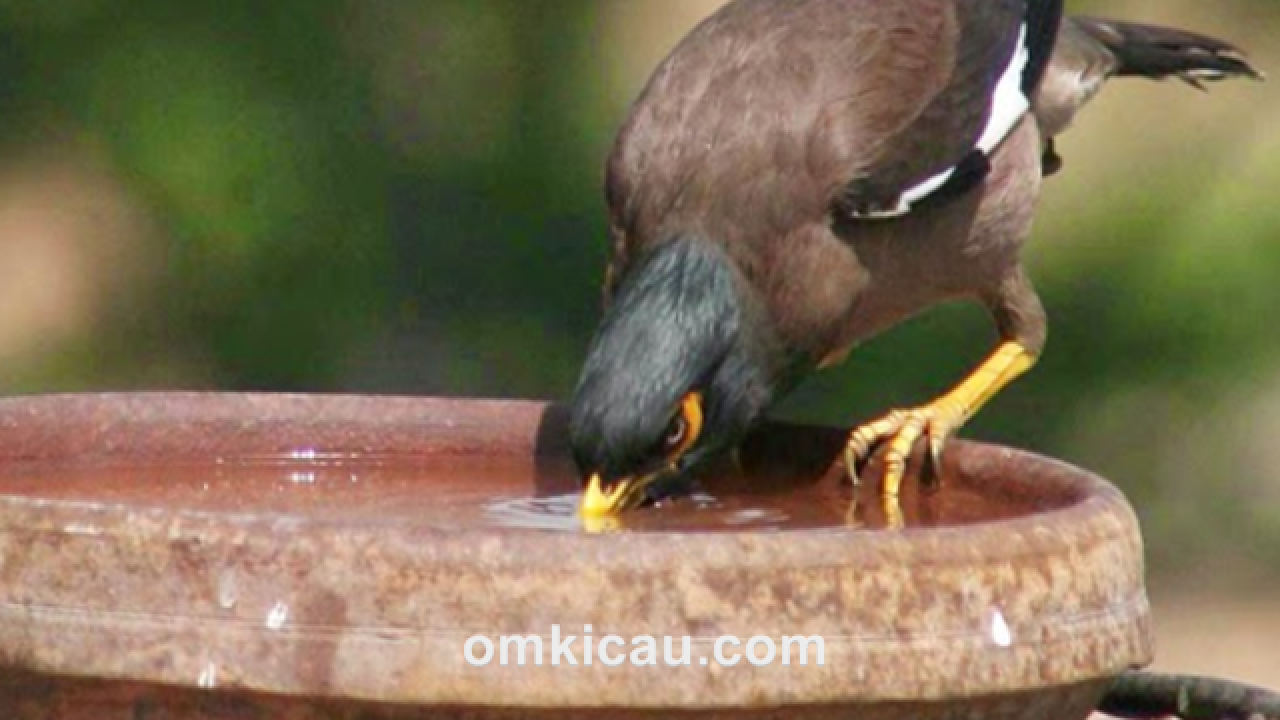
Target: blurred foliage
[404,197]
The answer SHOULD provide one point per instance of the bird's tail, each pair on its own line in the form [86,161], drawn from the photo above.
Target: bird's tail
[1159,52]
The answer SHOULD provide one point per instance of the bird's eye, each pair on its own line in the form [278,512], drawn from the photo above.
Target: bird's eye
[676,433]
[685,428]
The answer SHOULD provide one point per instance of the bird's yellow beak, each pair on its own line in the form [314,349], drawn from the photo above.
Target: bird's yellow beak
[625,495]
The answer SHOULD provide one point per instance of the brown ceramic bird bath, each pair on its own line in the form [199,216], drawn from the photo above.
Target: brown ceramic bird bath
[178,556]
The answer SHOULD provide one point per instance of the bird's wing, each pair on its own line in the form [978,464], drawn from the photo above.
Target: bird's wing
[993,60]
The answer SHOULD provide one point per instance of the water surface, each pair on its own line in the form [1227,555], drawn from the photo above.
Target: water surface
[469,493]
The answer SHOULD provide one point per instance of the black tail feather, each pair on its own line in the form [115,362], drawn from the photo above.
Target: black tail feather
[1159,52]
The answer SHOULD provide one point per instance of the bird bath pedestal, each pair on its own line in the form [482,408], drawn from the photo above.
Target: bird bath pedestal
[163,557]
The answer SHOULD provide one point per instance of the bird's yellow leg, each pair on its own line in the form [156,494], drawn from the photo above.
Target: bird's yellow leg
[938,420]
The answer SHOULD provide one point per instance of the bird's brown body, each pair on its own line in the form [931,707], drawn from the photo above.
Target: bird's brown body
[800,175]
[748,137]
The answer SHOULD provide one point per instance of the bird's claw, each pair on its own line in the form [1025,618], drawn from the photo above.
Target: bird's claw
[864,440]
[902,429]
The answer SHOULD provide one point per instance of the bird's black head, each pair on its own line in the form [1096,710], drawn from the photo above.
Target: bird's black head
[678,371]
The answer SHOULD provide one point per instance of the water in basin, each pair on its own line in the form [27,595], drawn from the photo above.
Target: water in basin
[469,493]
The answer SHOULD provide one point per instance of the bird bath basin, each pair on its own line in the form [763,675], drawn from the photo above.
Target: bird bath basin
[228,557]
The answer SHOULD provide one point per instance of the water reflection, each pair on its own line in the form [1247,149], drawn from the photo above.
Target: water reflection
[465,493]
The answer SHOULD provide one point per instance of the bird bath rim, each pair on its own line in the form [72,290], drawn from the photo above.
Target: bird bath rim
[378,614]
[99,425]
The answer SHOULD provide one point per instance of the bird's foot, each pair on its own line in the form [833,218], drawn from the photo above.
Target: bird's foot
[937,421]
[902,429]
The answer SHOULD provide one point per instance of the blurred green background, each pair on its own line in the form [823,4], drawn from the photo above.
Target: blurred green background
[404,197]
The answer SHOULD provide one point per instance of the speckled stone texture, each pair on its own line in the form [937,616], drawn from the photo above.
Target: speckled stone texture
[127,621]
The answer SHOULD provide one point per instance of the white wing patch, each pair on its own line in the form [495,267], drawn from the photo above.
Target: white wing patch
[1010,103]
[1008,106]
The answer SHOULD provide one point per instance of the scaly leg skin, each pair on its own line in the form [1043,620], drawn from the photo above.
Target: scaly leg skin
[938,420]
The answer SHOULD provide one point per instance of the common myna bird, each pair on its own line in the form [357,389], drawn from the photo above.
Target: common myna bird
[800,175]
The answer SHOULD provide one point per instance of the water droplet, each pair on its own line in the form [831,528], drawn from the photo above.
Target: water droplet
[755,517]
[208,677]
[703,501]
[227,591]
[278,616]
[82,529]
[1001,633]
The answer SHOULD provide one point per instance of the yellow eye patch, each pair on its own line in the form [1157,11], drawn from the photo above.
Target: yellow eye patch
[691,416]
